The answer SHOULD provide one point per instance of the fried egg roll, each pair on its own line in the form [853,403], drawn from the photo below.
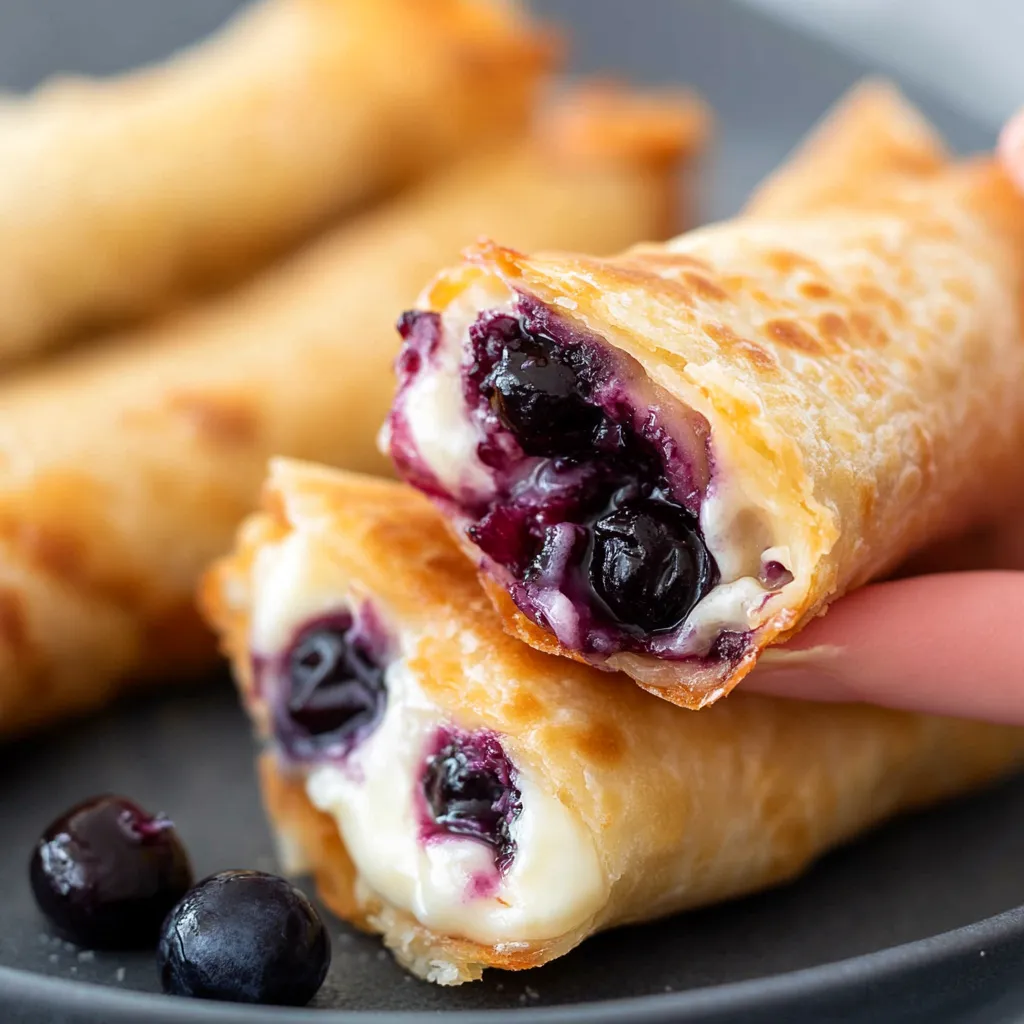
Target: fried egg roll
[118,195]
[125,468]
[666,461]
[483,804]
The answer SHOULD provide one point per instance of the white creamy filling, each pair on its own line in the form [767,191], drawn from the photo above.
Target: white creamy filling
[435,409]
[293,583]
[740,540]
[449,883]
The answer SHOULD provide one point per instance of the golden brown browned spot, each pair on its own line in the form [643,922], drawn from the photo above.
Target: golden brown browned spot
[705,287]
[790,334]
[62,555]
[55,552]
[13,627]
[946,320]
[737,284]
[868,330]
[786,262]
[766,301]
[834,328]
[906,278]
[221,419]
[501,255]
[867,503]
[875,296]
[524,708]
[747,348]
[815,290]
[601,743]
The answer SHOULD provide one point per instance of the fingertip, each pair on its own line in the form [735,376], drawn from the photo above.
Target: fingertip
[1011,148]
[943,644]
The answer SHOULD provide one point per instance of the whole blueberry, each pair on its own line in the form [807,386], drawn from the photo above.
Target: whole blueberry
[333,691]
[469,788]
[649,565]
[244,937]
[106,873]
[536,394]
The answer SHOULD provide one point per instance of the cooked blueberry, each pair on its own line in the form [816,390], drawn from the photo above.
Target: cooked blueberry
[106,873]
[245,937]
[537,396]
[649,564]
[470,790]
[335,689]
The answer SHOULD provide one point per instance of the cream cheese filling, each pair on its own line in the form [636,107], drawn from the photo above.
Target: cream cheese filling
[449,883]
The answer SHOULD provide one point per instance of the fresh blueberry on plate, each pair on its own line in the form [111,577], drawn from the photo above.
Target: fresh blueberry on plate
[106,873]
[245,937]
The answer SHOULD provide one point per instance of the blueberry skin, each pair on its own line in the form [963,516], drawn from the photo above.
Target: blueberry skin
[537,396]
[244,937]
[106,873]
[332,690]
[649,565]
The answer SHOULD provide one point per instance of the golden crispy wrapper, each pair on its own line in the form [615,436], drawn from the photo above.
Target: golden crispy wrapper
[679,809]
[852,345]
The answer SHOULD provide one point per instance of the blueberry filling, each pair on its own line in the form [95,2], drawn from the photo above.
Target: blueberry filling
[590,512]
[469,788]
[332,691]
[584,503]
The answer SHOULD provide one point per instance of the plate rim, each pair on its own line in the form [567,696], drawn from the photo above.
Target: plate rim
[781,992]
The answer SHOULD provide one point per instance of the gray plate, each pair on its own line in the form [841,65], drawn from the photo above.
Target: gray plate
[899,926]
